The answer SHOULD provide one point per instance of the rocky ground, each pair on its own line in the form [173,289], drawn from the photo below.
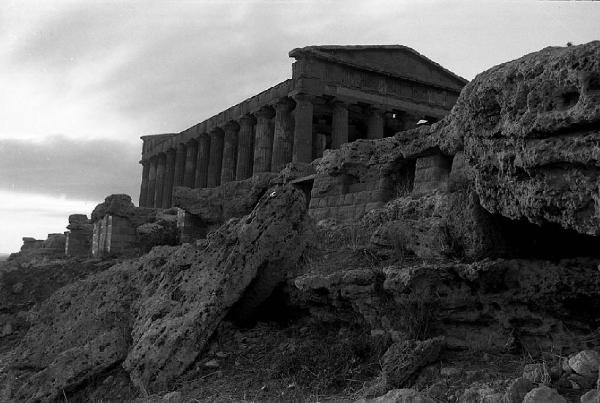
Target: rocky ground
[478,285]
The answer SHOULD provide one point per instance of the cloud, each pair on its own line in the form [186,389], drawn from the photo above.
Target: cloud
[35,215]
[75,169]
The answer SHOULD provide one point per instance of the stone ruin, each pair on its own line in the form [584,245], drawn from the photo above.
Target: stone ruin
[337,94]
[485,222]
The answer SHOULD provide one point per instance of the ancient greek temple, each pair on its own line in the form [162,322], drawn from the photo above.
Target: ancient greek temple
[337,94]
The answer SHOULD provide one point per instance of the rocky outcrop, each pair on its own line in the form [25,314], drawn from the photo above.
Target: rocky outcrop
[495,304]
[193,290]
[161,230]
[229,200]
[531,129]
[24,283]
[119,205]
[156,313]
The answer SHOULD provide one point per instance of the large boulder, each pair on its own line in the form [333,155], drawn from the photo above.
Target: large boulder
[187,296]
[155,314]
[531,130]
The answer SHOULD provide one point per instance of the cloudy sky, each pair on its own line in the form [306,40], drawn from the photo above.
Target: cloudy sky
[80,81]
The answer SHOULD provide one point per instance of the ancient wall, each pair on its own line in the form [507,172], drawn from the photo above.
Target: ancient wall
[79,237]
[346,197]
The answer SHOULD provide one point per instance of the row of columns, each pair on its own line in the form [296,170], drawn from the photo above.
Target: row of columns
[264,141]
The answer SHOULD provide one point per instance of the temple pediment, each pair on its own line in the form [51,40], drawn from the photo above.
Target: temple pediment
[395,60]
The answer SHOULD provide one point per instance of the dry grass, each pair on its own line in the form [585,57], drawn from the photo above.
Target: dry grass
[295,364]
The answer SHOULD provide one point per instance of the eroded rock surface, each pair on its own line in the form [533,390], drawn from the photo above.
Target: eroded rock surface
[495,303]
[157,312]
[531,132]
[230,200]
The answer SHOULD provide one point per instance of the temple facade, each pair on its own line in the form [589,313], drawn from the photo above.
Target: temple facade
[337,94]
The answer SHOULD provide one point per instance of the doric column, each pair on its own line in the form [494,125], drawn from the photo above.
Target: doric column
[160,180]
[202,160]
[144,187]
[151,182]
[169,176]
[375,124]
[303,128]
[189,173]
[245,148]
[263,144]
[229,151]
[179,165]
[215,158]
[283,136]
[339,125]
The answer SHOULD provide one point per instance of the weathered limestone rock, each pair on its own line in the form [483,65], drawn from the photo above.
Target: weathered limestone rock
[191,293]
[31,243]
[117,205]
[52,247]
[543,394]
[482,303]
[516,391]
[216,205]
[403,360]
[586,363]
[163,231]
[436,225]
[79,236]
[157,312]
[531,129]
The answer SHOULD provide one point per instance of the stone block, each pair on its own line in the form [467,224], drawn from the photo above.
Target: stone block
[348,199]
[431,174]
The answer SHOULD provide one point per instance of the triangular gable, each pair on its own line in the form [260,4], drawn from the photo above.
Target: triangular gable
[396,60]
